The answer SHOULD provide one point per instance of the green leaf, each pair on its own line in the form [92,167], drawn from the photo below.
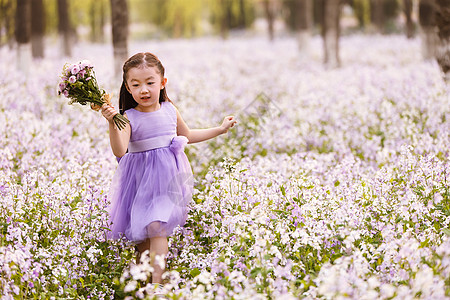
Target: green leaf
[255,271]
[446,231]
[194,272]
[283,190]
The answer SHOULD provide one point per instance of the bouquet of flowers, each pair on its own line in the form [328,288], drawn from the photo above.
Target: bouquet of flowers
[78,83]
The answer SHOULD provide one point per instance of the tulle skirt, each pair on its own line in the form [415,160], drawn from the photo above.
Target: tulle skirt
[150,192]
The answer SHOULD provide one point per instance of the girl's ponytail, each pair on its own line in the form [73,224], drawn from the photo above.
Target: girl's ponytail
[126,100]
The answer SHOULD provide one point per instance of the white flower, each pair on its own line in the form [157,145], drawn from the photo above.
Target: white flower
[138,273]
[161,261]
[131,286]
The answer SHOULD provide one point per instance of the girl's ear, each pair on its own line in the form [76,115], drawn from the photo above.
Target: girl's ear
[163,83]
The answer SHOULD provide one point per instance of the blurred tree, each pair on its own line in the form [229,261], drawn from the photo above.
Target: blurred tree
[291,14]
[318,12]
[408,8]
[64,27]
[331,31]
[7,15]
[176,18]
[391,9]
[97,17]
[183,18]
[382,12]
[305,8]
[427,20]
[37,28]
[300,19]
[443,24]
[23,34]
[231,14]
[119,19]
[51,16]
[377,16]
[361,9]
[269,10]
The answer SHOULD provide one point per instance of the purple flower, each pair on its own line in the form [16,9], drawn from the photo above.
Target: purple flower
[66,93]
[72,79]
[178,143]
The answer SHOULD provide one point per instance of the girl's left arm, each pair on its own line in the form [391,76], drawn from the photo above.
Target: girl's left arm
[200,135]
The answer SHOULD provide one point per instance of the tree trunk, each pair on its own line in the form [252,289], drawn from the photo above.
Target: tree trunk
[408,8]
[178,29]
[242,15]
[224,17]
[427,20]
[64,27]
[331,32]
[119,17]
[102,21]
[23,34]
[270,16]
[37,28]
[443,24]
[305,16]
[97,18]
[361,9]
[377,14]
[93,19]
[8,15]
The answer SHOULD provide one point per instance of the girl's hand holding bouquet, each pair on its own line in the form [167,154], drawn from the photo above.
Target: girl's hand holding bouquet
[78,83]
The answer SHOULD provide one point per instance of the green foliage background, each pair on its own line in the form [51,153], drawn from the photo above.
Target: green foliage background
[179,18]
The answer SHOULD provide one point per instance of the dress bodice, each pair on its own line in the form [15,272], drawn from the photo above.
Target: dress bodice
[145,125]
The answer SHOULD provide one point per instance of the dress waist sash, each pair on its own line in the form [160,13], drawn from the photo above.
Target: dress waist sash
[150,144]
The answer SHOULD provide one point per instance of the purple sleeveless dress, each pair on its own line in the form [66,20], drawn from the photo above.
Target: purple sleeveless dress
[153,182]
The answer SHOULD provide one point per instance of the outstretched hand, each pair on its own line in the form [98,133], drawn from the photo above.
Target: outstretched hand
[228,122]
[108,112]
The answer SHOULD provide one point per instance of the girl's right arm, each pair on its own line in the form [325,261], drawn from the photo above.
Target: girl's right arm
[118,138]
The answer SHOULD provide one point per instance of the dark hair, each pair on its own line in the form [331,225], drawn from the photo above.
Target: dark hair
[142,59]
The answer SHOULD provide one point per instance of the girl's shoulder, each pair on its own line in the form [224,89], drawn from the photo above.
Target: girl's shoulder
[129,111]
[130,114]
[170,109]
[169,105]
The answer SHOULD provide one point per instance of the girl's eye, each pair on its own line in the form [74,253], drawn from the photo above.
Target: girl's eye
[150,83]
[135,85]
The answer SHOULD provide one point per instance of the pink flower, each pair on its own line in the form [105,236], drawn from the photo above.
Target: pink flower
[72,79]
[82,73]
[66,93]
[62,86]
[75,69]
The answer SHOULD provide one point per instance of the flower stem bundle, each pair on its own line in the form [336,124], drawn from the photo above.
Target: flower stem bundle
[78,83]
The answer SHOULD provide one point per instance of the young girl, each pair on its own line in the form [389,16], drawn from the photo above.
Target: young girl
[151,187]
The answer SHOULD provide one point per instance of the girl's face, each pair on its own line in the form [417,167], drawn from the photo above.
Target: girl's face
[145,84]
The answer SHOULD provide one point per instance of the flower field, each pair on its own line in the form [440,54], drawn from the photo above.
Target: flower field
[333,185]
